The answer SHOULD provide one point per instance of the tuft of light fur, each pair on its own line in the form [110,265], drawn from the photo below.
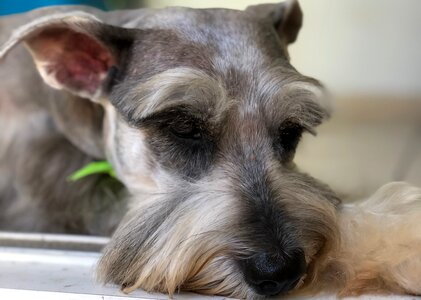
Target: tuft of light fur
[380,250]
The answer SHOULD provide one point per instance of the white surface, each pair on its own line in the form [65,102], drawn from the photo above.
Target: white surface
[52,274]
[68,275]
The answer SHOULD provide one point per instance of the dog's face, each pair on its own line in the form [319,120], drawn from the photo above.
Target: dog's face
[203,114]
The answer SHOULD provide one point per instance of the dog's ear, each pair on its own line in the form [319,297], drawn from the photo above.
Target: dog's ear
[286,17]
[74,52]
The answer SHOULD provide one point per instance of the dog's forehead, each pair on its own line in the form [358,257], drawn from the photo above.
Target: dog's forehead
[216,39]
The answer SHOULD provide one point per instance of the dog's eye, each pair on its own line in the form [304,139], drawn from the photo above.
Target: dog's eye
[186,130]
[289,135]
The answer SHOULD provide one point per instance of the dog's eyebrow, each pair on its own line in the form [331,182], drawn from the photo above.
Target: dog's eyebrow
[301,103]
[290,96]
[182,86]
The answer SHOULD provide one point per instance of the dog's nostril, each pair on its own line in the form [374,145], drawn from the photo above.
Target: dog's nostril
[272,274]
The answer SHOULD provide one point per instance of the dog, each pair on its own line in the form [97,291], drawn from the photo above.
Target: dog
[200,113]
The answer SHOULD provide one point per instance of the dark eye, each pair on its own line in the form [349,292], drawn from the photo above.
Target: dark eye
[186,130]
[289,135]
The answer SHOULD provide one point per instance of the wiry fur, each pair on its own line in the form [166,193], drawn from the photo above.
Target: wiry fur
[197,210]
[381,246]
[378,248]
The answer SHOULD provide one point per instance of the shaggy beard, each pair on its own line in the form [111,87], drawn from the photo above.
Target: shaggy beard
[191,239]
[166,244]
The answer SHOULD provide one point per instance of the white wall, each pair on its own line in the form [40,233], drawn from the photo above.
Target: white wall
[357,47]
[362,46]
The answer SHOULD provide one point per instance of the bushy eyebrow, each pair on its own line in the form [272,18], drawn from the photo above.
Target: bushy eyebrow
[289,96]
[298,105]
[178,87]
[282,93]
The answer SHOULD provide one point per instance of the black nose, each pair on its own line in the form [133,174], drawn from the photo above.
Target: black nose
[272,274]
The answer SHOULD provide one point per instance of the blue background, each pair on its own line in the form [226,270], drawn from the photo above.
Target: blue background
[17,6]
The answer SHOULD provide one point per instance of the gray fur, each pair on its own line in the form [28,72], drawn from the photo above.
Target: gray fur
[200,205]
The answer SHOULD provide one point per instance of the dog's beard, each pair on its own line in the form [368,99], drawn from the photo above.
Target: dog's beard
[191,238]
[181,239]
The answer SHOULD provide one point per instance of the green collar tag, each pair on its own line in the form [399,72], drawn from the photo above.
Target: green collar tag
[96,167]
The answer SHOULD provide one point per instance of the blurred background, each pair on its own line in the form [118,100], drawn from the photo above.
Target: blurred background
[368,54]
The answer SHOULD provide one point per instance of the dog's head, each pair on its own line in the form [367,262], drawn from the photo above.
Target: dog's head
[202,115]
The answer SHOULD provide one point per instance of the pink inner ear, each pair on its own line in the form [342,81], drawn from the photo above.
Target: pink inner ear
[76,61]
